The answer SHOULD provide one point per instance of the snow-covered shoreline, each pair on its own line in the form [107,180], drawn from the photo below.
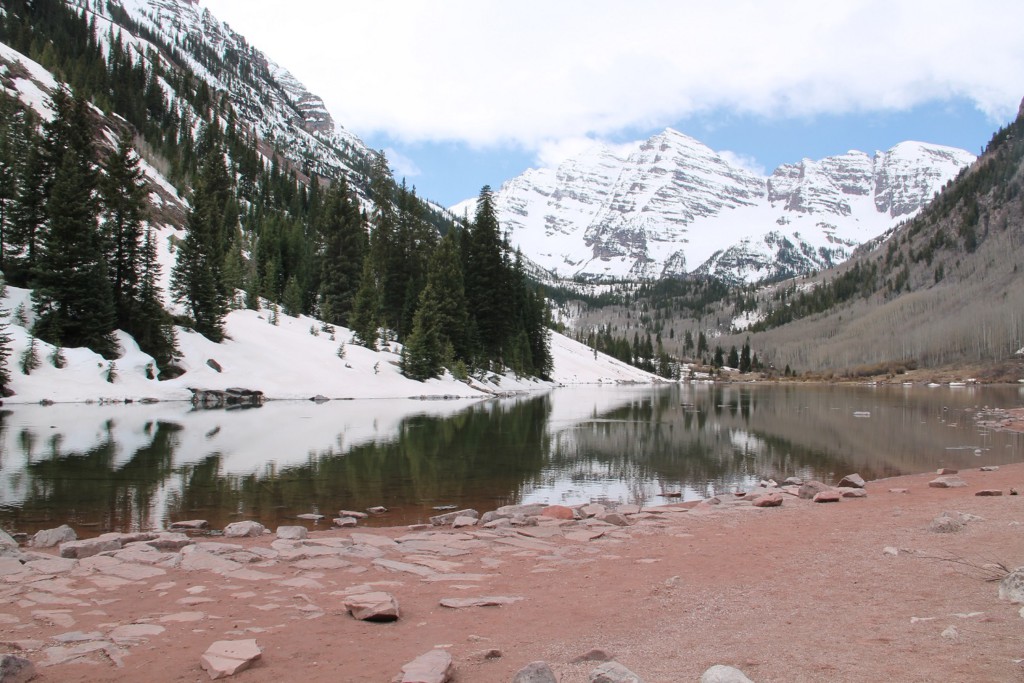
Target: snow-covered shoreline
[285,357]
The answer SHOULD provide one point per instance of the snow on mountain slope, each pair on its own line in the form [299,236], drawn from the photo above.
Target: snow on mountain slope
[671,206]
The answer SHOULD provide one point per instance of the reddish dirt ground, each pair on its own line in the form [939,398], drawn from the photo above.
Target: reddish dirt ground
[803,592]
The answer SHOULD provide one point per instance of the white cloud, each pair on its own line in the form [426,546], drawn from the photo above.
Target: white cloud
[744,161]
[531,72]
[401,165]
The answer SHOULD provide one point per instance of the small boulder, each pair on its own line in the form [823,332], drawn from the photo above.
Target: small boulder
[89,547]
[449,517]
[989,492]
[377,510]
[720,673]
[614,518]
[352,513]
[899,490]
[593,510]
[793,481]
[1012,586]
[14,669]
[989,468]
[558,512]
[947,470]
[463,521]
[227,657]
[374,606]
[245,529]
[613,672]
[947,482]
[809,489]
[535,672]
[190,524]
[292,533]
[168,541]
[595,655]
[854,493]
[435,666]
[853,481]
[827,497]
[945,525]
[769,500]
[310,517]
[345,521]
[51,537]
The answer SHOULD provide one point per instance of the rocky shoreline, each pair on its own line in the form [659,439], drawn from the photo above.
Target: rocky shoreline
[525,593]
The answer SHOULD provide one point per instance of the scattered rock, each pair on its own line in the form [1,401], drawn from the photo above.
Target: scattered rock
[535,672]
[769,500]
[488,601]
[1012,586]
[890,550]
[826,497]
[190,524]
[215,366]
[989,468]
[945,525]
[853,481]
[951,633]
[989,492]
[377,510]
[134,633]
[793,481]
[345,521]
[292,533]
[310,516]
[435,666]
[14,669]
[720,673]
[613,672]
[946,470]
[614,518]
[352,513]
[558,512]
[248,528]
[947,482]
[89,547]
[488,655]
[899,490]
[595,655]
[170,541]
[375,606]
[449,517]
[809,489]
[227,657]
[51,537]
[464,521]
[854,493]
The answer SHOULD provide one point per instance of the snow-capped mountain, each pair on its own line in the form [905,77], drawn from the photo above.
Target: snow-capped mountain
[671,206]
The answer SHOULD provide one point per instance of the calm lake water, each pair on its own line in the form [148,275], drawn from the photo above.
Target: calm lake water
[132,467]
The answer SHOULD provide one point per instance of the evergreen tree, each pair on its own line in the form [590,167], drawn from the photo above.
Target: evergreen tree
[446,280]
[196,277]
[422,354]
[734,358]
[366,308]
[123,193]
[72,299]
[5,345]
[151,325]
[344,243]
[719,359]
[485,277]
[745,363]
[702,344]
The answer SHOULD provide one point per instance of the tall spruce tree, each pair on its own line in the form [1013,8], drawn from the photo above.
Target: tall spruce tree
[122,194]
[446,280]
[72,299]
[344,243]
[196,278]
[366,308]
[486,278]
[423,353]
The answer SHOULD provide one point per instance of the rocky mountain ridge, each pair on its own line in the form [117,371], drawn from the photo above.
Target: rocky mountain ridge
[673,206]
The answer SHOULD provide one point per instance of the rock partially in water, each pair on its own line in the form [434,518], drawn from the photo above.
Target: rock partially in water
[48,538]
[247,528]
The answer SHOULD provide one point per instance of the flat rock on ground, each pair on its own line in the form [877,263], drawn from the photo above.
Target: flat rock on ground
[679,585]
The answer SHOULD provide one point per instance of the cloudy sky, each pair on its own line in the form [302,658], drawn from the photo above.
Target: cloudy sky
[462,93]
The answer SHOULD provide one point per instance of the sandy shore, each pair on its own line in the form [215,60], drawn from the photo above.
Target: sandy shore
[802,592]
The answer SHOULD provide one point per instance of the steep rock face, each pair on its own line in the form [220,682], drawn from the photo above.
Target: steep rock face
[671,206]
[269,100]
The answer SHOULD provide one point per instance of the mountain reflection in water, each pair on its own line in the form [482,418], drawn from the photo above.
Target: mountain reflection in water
[129,467]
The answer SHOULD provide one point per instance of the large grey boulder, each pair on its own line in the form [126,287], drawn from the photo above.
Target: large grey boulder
[535,672]
[292,533]
[809,489]
[243,529]
[47,538]
[720,673]
[853,481]
[89,547]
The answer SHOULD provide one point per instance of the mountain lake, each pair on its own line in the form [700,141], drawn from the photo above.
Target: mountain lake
[136,467]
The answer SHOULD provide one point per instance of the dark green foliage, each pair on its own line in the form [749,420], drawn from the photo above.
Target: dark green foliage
[366,308]
[745,362]
[422,356]
[344,243]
